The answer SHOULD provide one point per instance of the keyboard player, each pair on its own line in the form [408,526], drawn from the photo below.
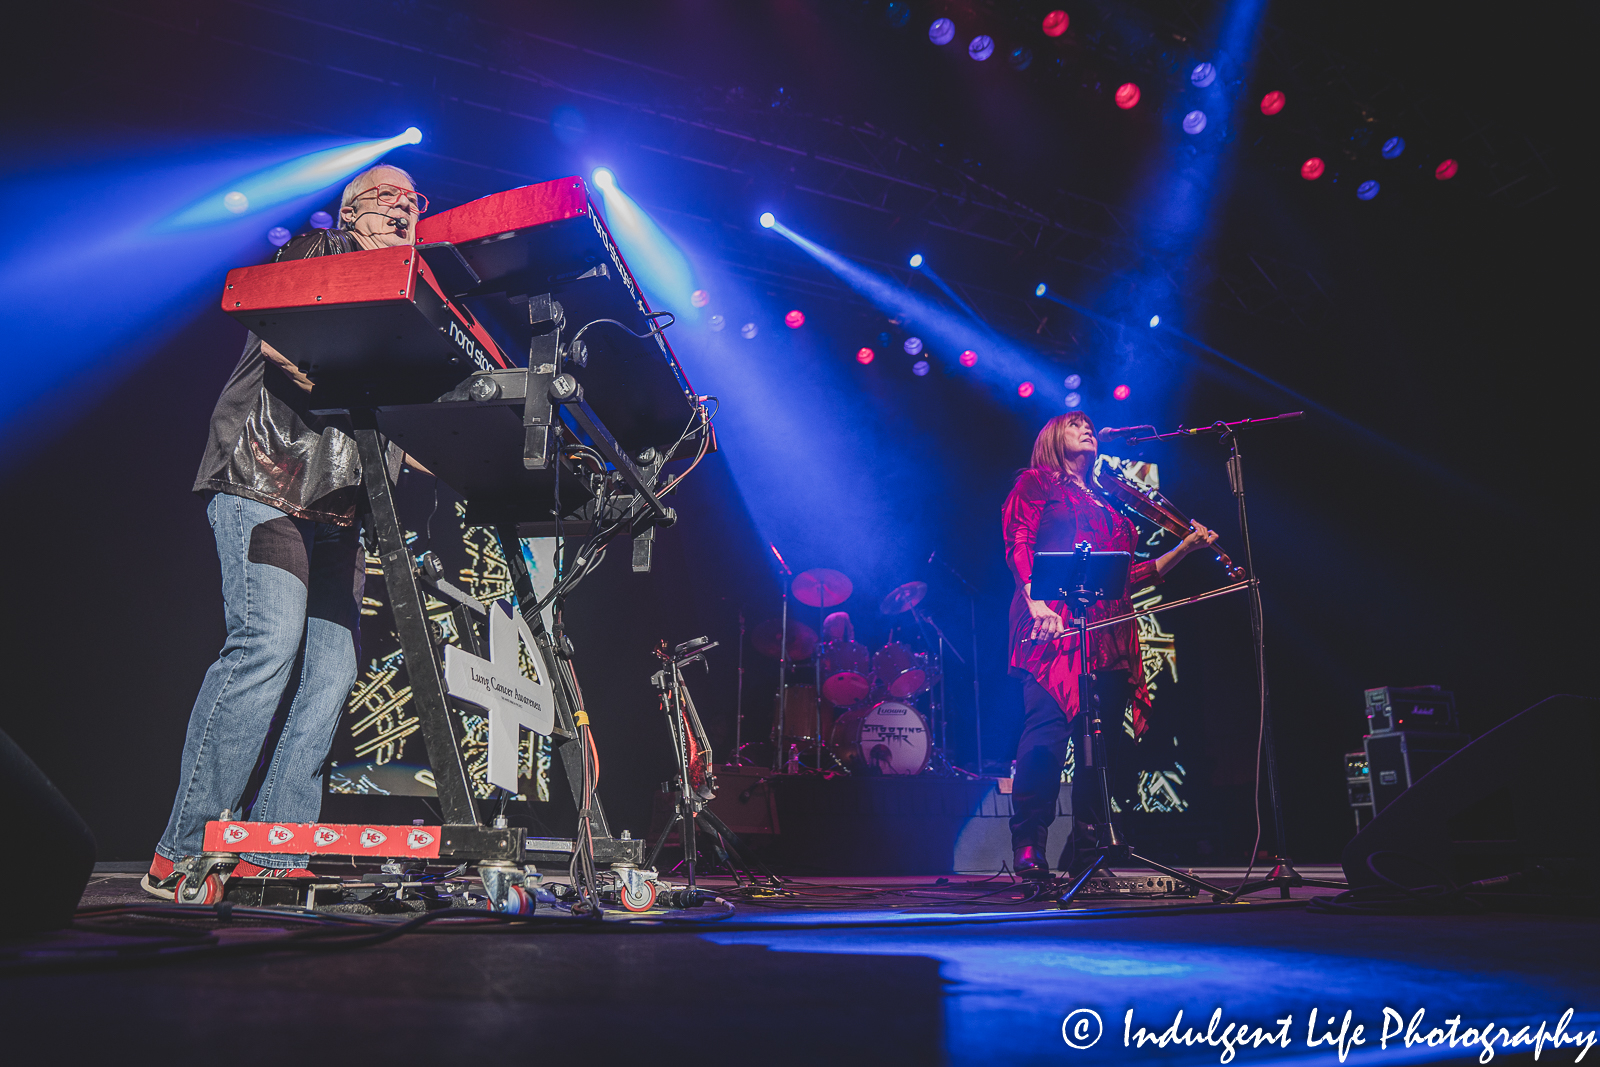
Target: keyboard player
[284,489]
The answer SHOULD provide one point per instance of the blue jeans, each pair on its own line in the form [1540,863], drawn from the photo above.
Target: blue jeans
[286,582]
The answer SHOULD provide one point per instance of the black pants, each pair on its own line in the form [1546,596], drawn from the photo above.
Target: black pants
[1042,753]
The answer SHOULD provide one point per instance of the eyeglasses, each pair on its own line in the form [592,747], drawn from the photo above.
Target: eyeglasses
[390,195]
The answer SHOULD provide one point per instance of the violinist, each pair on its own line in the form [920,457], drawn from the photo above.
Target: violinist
[1051,508]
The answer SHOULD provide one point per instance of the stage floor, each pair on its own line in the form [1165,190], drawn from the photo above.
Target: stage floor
[882,970]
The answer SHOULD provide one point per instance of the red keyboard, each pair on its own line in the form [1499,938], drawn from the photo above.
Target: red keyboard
[370,325]
[406,325]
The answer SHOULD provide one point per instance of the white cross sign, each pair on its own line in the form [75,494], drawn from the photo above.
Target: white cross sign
[498,685]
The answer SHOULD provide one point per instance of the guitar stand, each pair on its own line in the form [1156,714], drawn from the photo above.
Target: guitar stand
[689,809]
[725,842]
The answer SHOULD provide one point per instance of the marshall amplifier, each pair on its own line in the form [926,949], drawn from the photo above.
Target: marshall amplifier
[1396,760]
[1421,707]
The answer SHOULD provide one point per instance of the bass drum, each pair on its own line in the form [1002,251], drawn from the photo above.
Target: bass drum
[846,672]
[888,738]
[902,672]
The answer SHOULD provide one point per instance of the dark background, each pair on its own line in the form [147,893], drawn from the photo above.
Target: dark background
[1424,525]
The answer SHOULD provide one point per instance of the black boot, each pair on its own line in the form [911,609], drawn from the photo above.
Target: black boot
[1030,864]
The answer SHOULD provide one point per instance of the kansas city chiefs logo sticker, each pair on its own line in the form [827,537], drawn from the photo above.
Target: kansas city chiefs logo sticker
[234,834]
[418,839]
[280,835]
[322,836]
[371,838]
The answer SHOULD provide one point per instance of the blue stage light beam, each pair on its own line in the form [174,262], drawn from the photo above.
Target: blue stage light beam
[1177,205]
[658,264]
[1055,297]
[148,276]
[788,397]
[949,334]
[275,186]
[944,287]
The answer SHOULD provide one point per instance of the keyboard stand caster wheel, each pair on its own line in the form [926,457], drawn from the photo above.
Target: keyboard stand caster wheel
[637,887]
[202,879]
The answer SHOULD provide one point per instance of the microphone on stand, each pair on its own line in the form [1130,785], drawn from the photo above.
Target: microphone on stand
[1123,431]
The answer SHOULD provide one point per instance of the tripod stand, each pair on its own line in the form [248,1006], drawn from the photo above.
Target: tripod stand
[695,783]
[1081,578]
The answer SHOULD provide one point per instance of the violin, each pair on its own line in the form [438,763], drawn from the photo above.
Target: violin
[1143,502]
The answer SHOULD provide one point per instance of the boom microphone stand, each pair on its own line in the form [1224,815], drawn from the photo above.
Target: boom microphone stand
[1282,876]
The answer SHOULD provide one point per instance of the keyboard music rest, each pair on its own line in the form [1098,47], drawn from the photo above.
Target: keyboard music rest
[368,328]
[550,238]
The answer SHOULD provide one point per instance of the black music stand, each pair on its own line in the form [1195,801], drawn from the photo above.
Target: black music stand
[1081,578]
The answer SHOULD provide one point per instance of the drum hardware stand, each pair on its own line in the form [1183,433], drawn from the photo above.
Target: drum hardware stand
[923,622]
[683,725]
[816,663]
[738,700]
[1084,577]
[972,603]
[779,756]
[1282,876]
[824,602]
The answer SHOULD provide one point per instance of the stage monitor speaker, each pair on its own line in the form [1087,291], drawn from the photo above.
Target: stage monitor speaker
[51,847]
[1519,799]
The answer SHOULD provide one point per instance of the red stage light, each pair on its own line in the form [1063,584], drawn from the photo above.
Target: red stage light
[1127,95]
[1025,389]
[1446,170]
[1055,23]
[1121,392]
[1312,169]
[865,356]
[699,298]
[1272,103]
[794,320]
[969,358]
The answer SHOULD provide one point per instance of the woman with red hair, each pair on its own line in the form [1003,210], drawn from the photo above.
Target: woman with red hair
[1052,508]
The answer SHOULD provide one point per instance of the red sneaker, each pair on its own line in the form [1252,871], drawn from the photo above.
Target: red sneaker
[160,881]
[246,869]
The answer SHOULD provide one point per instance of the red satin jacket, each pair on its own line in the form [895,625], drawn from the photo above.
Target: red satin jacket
[1048,513]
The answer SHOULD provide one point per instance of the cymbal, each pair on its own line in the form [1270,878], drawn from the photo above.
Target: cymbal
[904,598]
[802,639]
[821,588]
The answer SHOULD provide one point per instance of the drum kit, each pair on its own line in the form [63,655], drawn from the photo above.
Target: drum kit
[865,721]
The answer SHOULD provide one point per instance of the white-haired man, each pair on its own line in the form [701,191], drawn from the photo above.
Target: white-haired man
[285,493]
